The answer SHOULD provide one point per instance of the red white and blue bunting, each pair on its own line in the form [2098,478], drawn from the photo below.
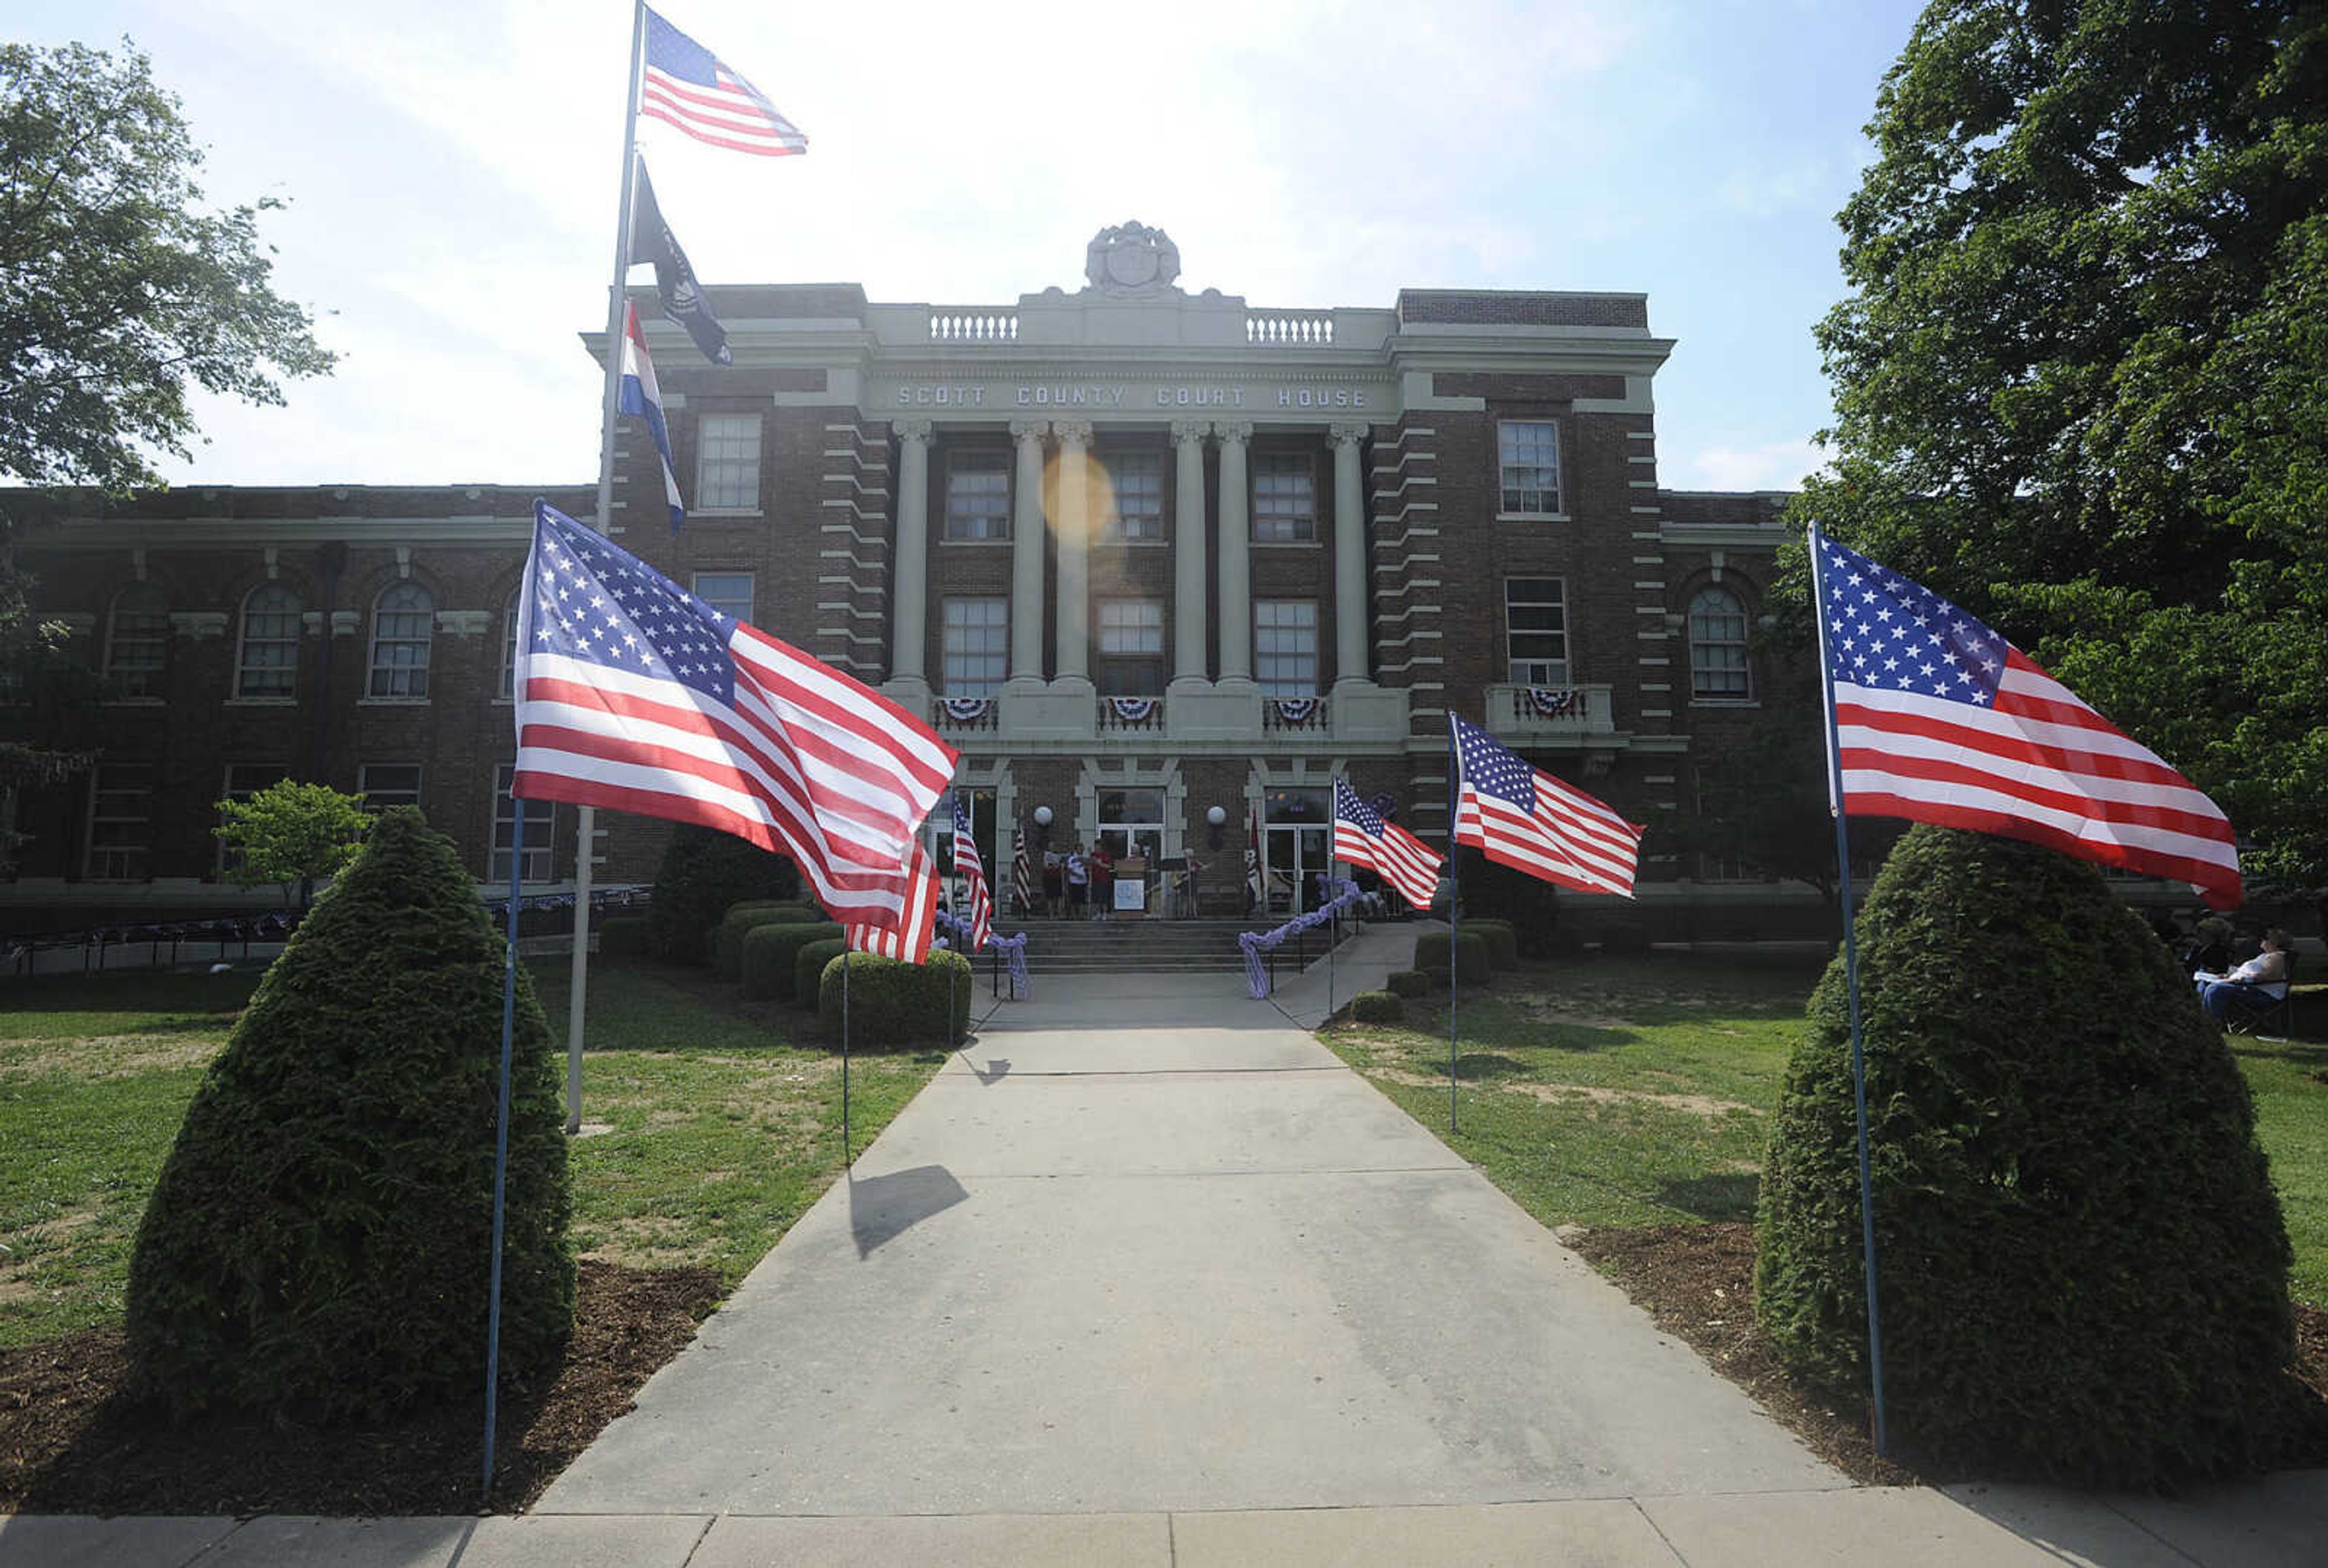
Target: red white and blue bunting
[1135,709]
[969,709]
[1296,712]
[1549,704]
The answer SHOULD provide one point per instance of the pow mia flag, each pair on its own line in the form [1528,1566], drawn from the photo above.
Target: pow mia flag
[653,243]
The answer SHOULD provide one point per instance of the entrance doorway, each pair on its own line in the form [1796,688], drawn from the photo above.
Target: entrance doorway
[1297,843]
[1132,824]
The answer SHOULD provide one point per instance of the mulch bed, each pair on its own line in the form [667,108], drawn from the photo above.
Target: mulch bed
[71,1442]
[1698,1282]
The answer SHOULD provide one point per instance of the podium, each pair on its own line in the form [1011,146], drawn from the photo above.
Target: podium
[1132,888]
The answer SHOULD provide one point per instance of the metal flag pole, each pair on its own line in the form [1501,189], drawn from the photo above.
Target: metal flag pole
[955,915]
[845,951]
[500,1158]
[1851,985]
[1454,907]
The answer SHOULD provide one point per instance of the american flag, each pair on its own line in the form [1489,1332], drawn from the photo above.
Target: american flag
[972,867]
[910,939]
[1362,837]
[635,694]
[1938,718]
[686,85]
[1533,823]
[1255,891]
[1022,872]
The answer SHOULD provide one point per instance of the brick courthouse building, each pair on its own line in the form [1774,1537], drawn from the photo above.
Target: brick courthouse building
[1138,553]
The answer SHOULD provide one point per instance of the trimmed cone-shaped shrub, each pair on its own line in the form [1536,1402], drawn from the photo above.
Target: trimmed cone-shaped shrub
[895,1003]
[1377,1007]
[705,874]
[1431,952]
[320,1241]
[1503,943]
[728,936]
[2081,1265]
[1408,982]
[808,968]
[769,952]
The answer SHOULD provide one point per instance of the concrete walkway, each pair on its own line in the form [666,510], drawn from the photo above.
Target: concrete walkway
[1147,1276]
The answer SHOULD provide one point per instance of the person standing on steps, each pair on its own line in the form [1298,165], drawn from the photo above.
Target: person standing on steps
[1078,883]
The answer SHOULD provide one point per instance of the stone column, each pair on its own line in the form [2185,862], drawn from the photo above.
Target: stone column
[1027,557]
[1070,661]
[1353,619]
[1189,603]
[909,564]
[1236,555]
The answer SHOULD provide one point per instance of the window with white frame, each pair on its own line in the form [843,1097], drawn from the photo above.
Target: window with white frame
[729,593]
[120,822]
[1529,455]
[1284,498]
[1131,647]
[978,494]
[402,622]
[1285,647]
[509,647]
[266,659]
[977,650]
[728,463]
[1136,495]
[383,785]
[1717,646]
[1535,631]
[244,779]
[541,832]
[137,642]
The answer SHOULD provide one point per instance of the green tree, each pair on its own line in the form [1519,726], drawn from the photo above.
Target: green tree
[117,291]
[2079,379]
[292,833]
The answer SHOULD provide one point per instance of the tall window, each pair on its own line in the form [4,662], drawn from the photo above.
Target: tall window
[729,593]
[976,646]
[1285,647]
[1284,497]
[266,662]
[1535,626]
[401,622]
[540,828]
[121,822]
[138,641]
[1131,647]
[383,785]
[244,779]
[728,463]
[1136,481]
[1717,645]
[509,647]
[1530,454]
[978,494]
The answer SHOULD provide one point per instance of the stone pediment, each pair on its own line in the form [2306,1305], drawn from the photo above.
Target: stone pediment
[1132,261]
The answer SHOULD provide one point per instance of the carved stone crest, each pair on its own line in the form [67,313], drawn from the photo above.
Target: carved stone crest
[1132,258]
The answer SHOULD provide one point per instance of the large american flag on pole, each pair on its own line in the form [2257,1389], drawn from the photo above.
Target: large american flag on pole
[971,865]
[1362,837]
[910,938]
[635,694]
[1938,718]
[1533,823]
[686,85]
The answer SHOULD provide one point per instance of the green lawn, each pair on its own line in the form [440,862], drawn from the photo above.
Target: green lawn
[1640,1091]
[721,1133]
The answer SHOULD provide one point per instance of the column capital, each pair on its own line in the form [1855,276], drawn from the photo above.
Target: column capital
[911,430]
[1189,432]
[1348,435]
[1029,429]
[1075,433]
[1237,430]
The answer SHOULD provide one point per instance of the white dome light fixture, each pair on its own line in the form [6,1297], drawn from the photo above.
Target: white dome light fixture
[1042,816]
[1216,815]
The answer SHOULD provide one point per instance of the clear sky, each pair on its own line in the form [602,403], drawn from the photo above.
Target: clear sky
[452,168]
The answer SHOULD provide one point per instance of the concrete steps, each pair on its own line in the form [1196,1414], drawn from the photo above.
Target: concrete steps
[1143,947]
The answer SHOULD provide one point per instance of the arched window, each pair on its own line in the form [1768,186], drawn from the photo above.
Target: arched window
[266,662]
[508,648]
[138,641]
[1717,646]
[401,622]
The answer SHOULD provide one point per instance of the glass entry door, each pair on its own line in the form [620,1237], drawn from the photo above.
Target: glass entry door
[1292,855]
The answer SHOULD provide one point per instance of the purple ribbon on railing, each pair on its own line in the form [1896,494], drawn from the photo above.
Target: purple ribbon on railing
[1256,943]
[1014,948]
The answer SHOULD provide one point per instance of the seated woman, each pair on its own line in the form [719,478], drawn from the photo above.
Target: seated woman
[2256,986]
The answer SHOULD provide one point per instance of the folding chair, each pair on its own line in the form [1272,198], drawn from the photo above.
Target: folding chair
[2257,1024]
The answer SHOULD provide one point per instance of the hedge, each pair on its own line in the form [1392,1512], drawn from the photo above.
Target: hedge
[703,875]
[622,936]
[808,968]
[1502,943]
[1377,1007]
[1409,982]
[1632,941]
[728,936]
[2082,1264]
[768,953]
[1431,953]
[1530,905]
[895,1003]
[316,1246]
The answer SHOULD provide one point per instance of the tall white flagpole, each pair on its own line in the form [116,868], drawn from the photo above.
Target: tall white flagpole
[586,824]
